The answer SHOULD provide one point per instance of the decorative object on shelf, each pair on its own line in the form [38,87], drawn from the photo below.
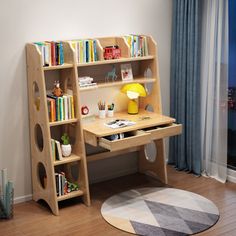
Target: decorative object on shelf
[126,72]
[148,75]
[84,110]
[111,75]
[72,187]
[66,146]
[133,91]
[57,91]
[6,196]
[86,81]
[112,52]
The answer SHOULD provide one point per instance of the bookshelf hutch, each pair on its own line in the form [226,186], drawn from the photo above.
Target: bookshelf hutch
[89,131]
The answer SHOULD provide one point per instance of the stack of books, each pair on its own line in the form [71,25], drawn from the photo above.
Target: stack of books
[86,81]
[52,53]
[63,186]
[56,150]
[60,108]
[6,195]
[138,45]
[85,50]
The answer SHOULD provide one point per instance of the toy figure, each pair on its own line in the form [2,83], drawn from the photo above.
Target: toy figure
[57,90]
[111,75]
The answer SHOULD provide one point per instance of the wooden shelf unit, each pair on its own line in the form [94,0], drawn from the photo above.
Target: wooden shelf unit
[94,131]
[43,165]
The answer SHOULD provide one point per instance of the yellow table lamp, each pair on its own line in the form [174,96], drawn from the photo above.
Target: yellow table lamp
[133,91]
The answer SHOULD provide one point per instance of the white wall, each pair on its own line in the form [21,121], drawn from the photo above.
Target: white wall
[29,20]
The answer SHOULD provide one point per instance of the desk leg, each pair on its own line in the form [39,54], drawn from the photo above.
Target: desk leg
[158,167]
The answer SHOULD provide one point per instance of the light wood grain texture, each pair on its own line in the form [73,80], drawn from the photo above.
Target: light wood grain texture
[118,83]
[114,61]
[63,122]
[32,219]
[58,67]
[69,159]
[107,154]
[148,126]
[143,120]
[136,138]
[68,79]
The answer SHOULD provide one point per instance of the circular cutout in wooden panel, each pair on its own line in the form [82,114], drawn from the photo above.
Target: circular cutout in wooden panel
[42,175]
[149,107]
[148,86]
[38,135]
[36,96]
[150,151]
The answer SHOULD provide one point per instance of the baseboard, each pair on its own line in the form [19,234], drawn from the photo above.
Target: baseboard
[231,175]
[114,175]
[92,181]
[23,198]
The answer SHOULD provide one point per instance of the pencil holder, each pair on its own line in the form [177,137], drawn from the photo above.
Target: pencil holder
[102,114]
[110,113]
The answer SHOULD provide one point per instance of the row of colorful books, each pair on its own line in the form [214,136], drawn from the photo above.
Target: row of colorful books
[63,186]
[60,108]
[56,150]
[138,45]
[52,53]
[85,50]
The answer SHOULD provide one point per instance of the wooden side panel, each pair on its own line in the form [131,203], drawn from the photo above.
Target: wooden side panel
[39,117]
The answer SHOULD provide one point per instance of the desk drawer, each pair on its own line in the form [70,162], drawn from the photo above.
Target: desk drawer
[160,132]
[134,139]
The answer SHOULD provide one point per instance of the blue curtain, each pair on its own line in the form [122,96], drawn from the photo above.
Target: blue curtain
[185,149]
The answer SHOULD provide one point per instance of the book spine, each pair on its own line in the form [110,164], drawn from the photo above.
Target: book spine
[87,50]
[65,103]
[61,54]
[72,107]
[95,50]
[53,54]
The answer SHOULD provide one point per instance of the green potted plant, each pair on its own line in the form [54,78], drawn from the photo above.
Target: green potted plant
[65,147]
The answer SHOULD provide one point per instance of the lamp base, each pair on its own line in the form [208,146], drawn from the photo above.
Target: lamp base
[132,107]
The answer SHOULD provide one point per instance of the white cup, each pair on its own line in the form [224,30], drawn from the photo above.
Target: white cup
[102,114]
[110,113]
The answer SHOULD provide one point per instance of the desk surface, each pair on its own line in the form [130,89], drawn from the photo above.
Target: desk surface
[143,119]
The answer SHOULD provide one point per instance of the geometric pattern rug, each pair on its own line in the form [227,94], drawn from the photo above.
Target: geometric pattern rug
[160,211]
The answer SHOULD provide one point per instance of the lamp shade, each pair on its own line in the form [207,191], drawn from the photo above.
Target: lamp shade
[133,91]
[136,88]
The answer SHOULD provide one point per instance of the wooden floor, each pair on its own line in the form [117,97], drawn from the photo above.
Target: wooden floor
[31,218]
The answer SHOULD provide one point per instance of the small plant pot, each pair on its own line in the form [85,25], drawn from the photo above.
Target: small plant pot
[66,150]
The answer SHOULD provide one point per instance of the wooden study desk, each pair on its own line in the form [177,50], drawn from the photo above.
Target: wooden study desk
[148,127]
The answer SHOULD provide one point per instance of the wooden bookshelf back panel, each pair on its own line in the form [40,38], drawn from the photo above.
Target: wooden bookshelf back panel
[99,73]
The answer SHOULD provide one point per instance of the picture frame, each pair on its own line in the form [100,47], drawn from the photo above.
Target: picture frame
[126,72]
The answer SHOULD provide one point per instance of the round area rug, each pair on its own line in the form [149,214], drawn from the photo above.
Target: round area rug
[160,211]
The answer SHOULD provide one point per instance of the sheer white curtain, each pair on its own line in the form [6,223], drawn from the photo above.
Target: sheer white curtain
[214,84]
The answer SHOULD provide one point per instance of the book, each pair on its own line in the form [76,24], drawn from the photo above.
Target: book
[65,104]
[53,145]
[58,150]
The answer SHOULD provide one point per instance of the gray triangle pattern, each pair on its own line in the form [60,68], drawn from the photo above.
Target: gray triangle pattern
[183,213]
[162,209]
[154,218]
[196,227]
[149,230]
